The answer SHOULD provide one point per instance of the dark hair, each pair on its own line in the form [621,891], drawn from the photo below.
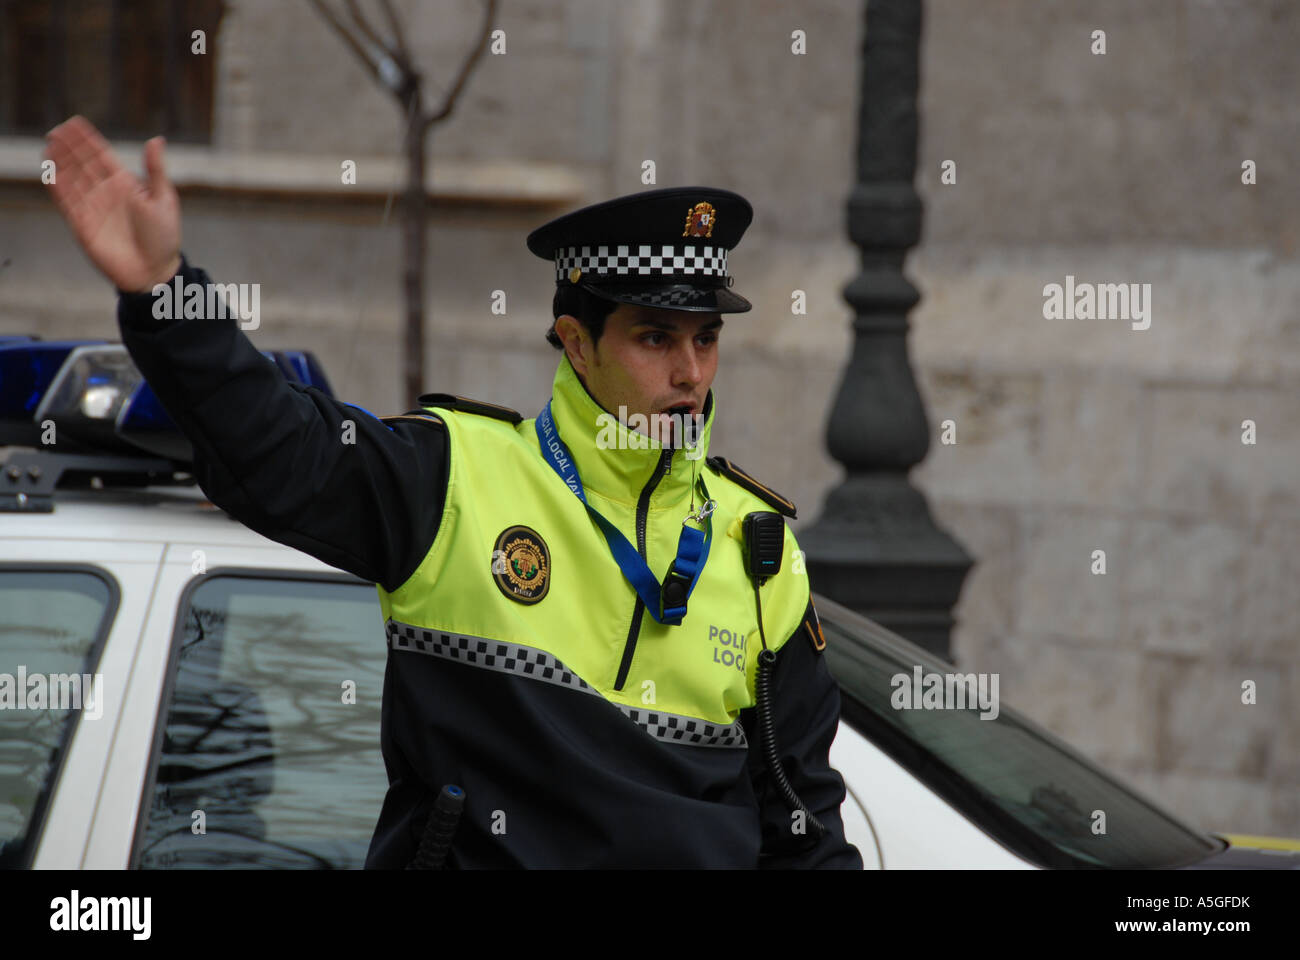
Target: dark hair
[589,309]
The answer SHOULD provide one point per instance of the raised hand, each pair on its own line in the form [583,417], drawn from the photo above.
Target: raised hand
[130,230]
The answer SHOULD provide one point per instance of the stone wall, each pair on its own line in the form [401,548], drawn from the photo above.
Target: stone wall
[1083,435]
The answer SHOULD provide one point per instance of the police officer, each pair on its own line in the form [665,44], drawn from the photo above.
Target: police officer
[581,607]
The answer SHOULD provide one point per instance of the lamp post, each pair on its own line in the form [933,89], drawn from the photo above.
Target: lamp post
[875,548]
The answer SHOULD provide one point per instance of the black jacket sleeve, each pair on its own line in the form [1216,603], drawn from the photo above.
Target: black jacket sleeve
[806,712]
[273,454]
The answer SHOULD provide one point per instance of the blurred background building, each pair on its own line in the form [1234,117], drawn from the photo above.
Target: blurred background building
[1071,435]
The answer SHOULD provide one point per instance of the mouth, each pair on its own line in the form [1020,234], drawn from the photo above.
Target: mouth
[685,423]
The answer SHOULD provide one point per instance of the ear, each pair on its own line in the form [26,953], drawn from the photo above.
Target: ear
[577,343]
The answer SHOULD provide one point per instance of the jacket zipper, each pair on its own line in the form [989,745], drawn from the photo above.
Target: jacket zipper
[642,512]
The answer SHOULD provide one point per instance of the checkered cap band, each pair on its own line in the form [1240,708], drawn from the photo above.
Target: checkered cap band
[525,661]
[641,260]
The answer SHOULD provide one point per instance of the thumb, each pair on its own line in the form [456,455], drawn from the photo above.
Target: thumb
[153,165]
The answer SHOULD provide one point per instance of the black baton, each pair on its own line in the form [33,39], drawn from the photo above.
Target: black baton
[439,829]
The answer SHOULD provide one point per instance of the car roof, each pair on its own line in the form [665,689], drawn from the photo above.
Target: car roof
[155,514]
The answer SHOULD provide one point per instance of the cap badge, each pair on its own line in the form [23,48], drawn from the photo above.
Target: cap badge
[575,274]
[700,220]
[521,564]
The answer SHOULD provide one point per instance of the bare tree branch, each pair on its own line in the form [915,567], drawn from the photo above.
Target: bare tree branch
[398,31]
[366,29]
[390,63]
[489,14]
[328,15]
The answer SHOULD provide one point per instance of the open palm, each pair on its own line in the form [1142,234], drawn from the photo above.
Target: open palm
[130,230]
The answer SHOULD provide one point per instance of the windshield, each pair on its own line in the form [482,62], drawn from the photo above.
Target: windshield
[52,624]
[1023,786]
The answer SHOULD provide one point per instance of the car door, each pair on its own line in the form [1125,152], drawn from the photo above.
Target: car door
[262,750]
[906,825]
[70,606]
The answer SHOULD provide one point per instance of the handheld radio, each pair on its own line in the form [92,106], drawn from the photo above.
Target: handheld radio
[764,545]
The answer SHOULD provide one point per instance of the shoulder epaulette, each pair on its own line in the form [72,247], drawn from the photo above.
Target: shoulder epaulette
[453,402]
[760,490]
[420,415]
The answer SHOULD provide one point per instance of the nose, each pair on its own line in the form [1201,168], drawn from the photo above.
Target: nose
[686,365]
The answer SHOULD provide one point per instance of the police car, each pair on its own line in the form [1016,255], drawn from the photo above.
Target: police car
[177,691]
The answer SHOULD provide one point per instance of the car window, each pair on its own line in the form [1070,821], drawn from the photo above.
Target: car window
[52,626]
[268,754]
[1025,787]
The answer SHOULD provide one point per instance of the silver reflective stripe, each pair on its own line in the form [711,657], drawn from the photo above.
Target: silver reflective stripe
[525,661]
[498,655]
[675,728]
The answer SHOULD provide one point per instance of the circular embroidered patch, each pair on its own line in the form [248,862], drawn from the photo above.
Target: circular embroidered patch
[521,564]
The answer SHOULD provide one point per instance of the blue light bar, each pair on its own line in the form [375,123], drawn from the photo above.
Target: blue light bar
[300,366]
[308,370]
[97,398]
[27,368]
[144,423]
[89,392]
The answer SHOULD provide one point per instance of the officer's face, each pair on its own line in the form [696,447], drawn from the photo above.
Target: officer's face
[648,360]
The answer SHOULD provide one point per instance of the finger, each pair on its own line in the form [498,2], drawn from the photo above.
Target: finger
[154,166]
[94,156]
[74,175]
[57,148]
[63,132]
[71,184]
[86,148]
[67,185]
[84,165]
[79,130]
[99,164]
[76,199]
[68,136]
[69,165]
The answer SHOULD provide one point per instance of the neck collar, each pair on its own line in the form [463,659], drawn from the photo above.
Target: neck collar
[615,461]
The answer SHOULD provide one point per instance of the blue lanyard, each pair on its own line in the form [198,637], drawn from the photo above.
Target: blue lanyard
[667,602]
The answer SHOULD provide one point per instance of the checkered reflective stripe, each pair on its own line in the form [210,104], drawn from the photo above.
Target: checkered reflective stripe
[480,652]
[678,729]
[615,260]
[525,661]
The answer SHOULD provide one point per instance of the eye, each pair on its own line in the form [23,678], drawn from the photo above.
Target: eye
[708,339]
[647,338]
